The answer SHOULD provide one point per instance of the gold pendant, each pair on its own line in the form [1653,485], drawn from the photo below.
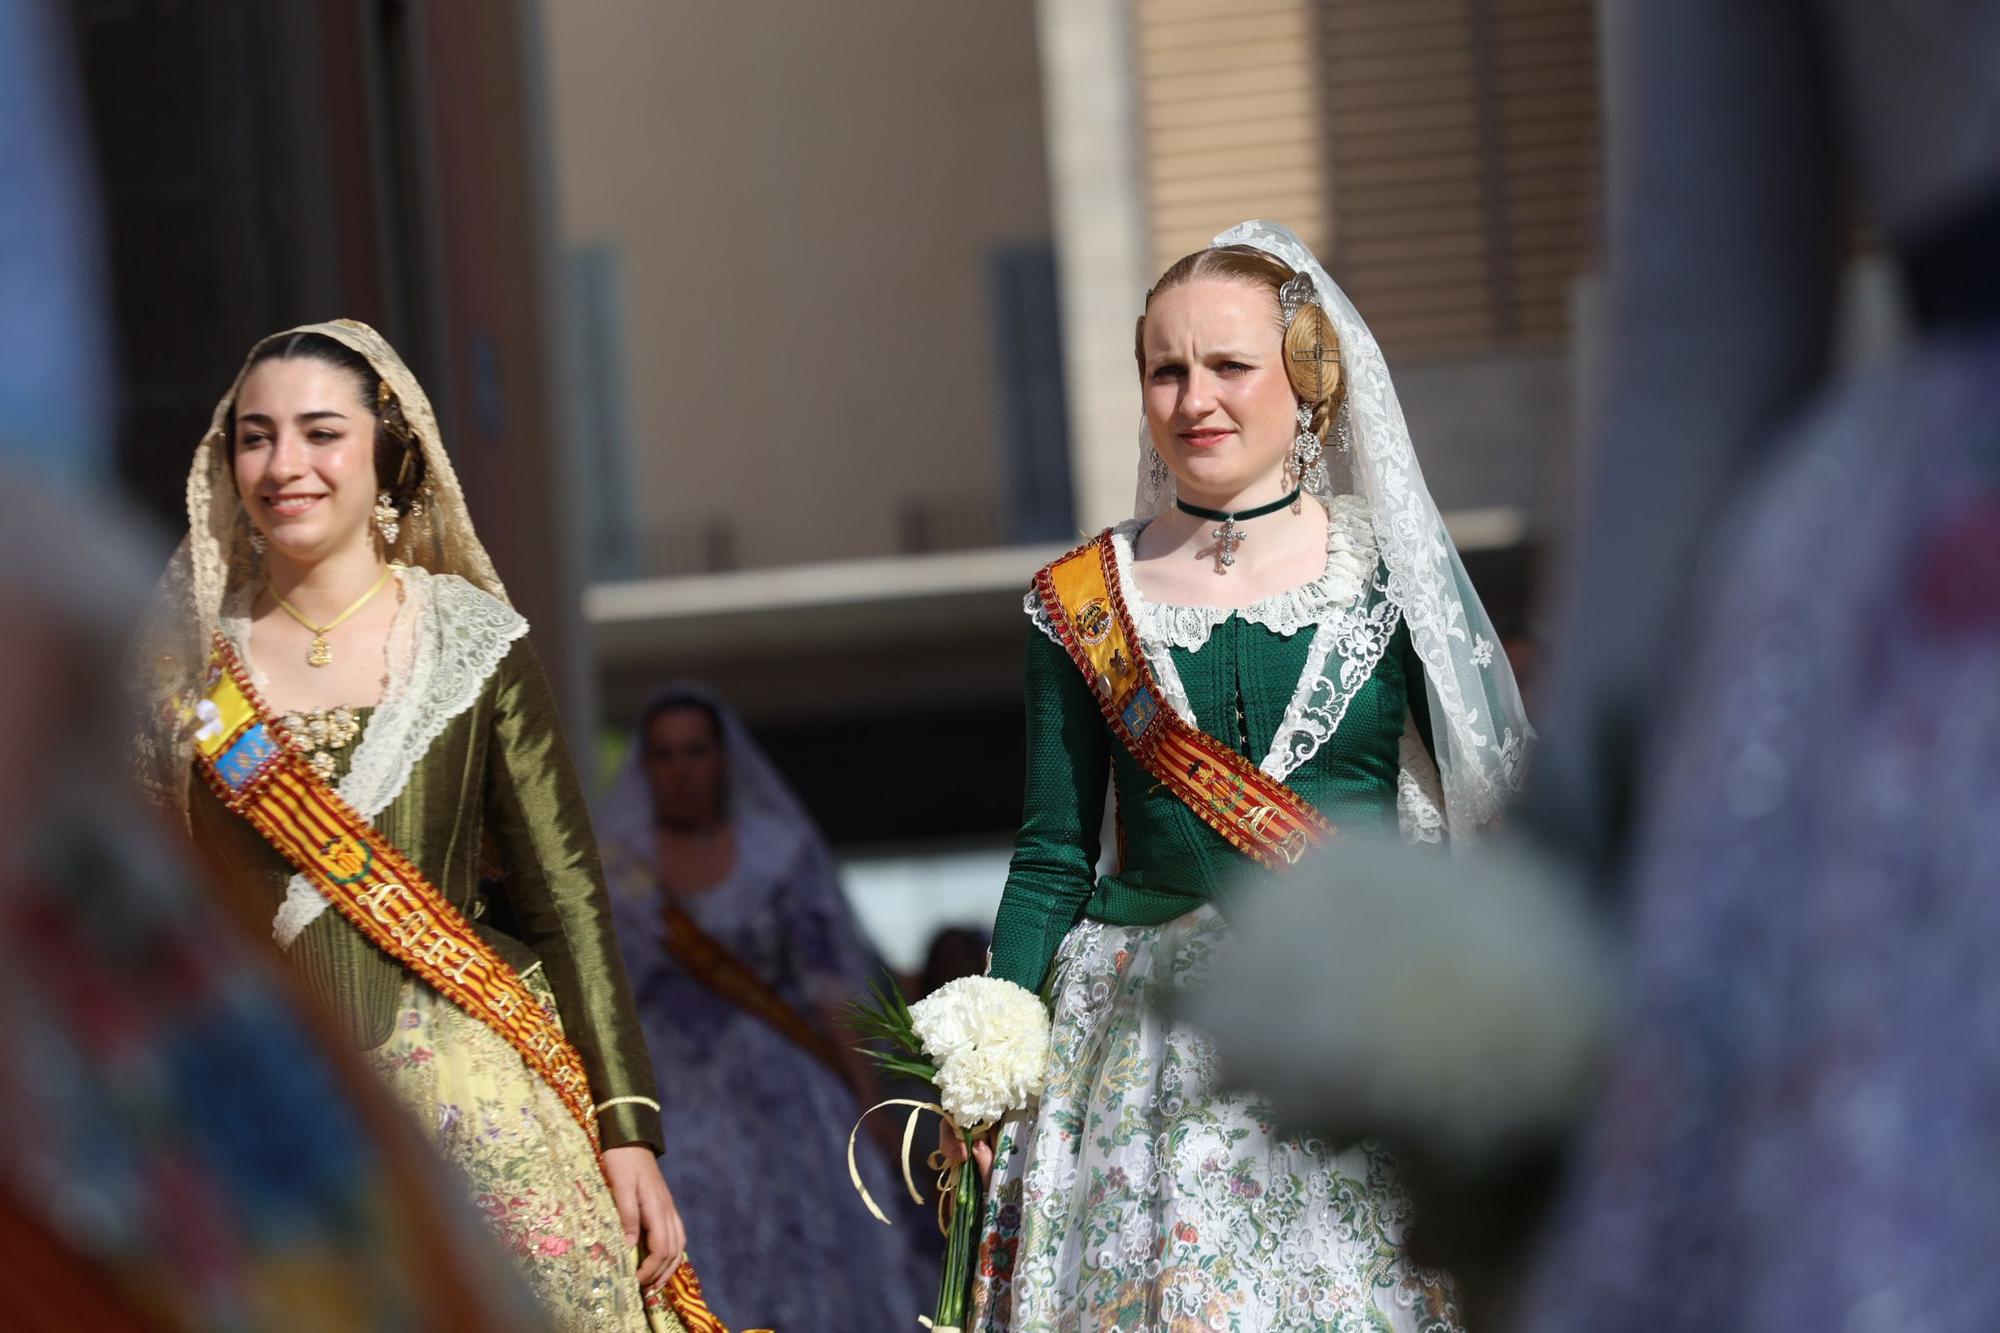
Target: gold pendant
[321,655]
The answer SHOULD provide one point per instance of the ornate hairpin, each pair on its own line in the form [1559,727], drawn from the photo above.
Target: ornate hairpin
[397,424]
[1296,293]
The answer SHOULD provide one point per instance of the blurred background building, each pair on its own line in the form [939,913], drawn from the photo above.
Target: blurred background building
[854,287]
[779,342]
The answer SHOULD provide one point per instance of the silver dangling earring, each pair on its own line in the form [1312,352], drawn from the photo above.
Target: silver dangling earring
[1158,478]
[1308,465]
[256,541]
[386,521]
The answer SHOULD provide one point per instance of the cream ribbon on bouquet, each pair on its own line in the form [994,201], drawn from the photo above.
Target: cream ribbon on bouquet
[946,1184]
[949,1176]
[984,1042]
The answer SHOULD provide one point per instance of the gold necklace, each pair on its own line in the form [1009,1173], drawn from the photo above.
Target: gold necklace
[321,655]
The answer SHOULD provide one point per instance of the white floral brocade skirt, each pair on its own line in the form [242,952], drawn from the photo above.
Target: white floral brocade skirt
[527,1163]
[1138,1197]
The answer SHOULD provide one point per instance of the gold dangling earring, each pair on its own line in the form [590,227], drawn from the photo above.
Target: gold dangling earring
[386,521]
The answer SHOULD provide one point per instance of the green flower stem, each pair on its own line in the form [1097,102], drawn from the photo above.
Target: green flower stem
[961,1247]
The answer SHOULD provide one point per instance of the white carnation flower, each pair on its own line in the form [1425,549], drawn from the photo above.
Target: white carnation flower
[990,1041]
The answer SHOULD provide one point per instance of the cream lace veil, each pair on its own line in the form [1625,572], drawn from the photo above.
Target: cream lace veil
[214,562]
[1480,729]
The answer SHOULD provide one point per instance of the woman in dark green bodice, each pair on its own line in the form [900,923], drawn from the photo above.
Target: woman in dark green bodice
[1297,602]
[1241,674]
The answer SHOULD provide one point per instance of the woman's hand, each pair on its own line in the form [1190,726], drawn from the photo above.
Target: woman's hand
[952,1148]
[646,1207]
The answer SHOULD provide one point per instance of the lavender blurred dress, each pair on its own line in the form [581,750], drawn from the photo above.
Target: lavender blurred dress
[1802,1125]
[756,1128]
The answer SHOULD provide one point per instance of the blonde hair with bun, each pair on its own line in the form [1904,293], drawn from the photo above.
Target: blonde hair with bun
[1311,346]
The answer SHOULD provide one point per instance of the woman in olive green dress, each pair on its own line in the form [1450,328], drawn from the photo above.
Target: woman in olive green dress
[330,546]
[1295,598]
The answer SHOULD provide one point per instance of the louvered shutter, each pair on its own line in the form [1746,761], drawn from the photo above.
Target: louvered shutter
[1441,155]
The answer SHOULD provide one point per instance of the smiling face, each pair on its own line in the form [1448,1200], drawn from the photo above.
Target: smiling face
[304,457]
[1218,403]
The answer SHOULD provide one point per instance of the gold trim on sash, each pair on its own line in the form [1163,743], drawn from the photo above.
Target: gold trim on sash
[241,752]
[1258,815]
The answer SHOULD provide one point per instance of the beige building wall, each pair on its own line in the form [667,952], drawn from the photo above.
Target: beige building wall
[1230,119]
[803,198]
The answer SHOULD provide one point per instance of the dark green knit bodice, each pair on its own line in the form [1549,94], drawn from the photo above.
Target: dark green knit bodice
[1239,684]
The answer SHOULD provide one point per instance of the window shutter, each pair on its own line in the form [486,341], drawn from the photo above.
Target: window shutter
[1461,146]
[1230,119]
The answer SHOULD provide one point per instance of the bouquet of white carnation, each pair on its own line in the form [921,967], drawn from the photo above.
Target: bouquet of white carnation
[984,1044]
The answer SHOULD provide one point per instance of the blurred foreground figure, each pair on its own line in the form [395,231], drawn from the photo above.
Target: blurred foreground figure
[55,413]
[184,1145]
[1279,648]
[1774,719]
[742,952]
[347,713]
[1798,1129]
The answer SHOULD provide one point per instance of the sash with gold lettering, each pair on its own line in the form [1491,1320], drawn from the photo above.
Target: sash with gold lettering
[242,754]
[239,751]
[1259,815]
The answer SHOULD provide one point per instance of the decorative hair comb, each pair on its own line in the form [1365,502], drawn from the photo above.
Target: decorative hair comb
[1296,292]
[395,422]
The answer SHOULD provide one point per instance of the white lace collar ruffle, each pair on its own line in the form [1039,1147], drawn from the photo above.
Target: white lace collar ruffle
[1351,628]
[1351,556]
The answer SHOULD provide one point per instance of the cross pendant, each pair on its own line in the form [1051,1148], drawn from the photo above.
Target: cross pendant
[1227,538]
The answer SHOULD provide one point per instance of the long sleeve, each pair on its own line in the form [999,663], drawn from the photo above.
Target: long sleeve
[1055,853]
[554,887]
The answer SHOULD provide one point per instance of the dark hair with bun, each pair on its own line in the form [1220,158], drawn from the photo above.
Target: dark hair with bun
[1318,382]
[399,462]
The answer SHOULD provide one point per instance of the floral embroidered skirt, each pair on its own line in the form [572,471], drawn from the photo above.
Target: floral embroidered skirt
[1138,1197]
[530,1168]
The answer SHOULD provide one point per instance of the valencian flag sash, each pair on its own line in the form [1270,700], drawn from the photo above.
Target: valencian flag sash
[241,754]
[1259,815]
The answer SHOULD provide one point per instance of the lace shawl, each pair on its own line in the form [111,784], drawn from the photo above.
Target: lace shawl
[446,641]
[214,562]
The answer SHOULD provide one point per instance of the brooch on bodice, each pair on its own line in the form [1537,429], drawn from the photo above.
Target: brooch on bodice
[319,736]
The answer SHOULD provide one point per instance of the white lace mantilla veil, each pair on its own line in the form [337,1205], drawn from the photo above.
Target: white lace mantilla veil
[454,626]
[772,828]
[1479,728]
[777,841]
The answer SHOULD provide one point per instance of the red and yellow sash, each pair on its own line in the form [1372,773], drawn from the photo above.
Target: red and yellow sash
[240,752]
[1259,815]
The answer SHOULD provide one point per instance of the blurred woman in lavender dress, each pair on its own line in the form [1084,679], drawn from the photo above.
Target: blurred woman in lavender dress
[742,951]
